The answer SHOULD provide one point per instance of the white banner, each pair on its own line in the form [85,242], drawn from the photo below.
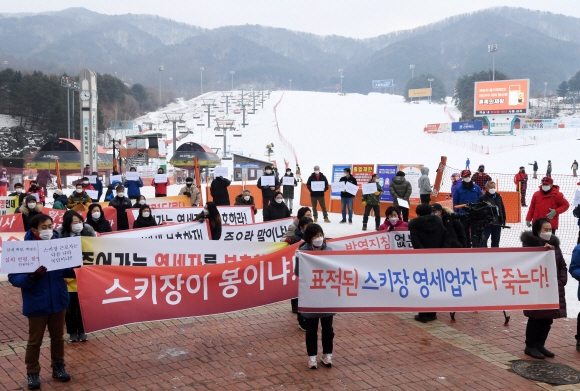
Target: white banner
[428,280]
[231,215]
[160,178]
[268,180]
[185,231]
[132,176]
[378,240]
[317,185]
[26,257]
[351,188]
[112,250]
[271,231]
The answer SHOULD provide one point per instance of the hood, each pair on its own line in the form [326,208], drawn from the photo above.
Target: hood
[398,180]
[424,171]
[114,182]
[530,240]
[62,198]
[428,224]
[24,208]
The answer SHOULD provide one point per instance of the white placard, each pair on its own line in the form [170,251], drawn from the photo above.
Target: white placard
[288,180]
[317,186]
[19,257]
[160,178]
[369,188]
[92,179]
[351,188]
[93,194]
[132,176]
[220,171]
[268,180]
[116,178]
[60,253]
[403,203]
[339,186]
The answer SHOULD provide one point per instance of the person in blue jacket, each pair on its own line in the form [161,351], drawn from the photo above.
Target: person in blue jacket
[133,191]
[574,270]
[466,192]
[44,301]
[98,185]
[113,193]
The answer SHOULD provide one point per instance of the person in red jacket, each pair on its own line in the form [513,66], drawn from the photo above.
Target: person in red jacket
[521,181]
[34,189]
[160,188]
[548,202]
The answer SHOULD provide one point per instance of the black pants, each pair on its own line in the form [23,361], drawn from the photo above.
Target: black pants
[377,210]
[577,336]
[405,213]
[425,198]
[266,201]
[537,331]
[428,315]
[160,195]
[73,317]
[312,335]
[466,228]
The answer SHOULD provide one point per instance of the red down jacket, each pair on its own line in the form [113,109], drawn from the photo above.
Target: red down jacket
[542,203]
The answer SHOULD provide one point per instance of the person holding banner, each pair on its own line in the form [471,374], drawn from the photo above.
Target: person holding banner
[191,191]
[96,219]
[139,202]
[219,191]
[34,189]
[401,189]
[269,184]
[246,199]
[133,186]
[372,201]
[314,241]
[346,198]
[29,209]
[276,210]
[540,321]
[3,183]
[161,187]
[18,192]
[288,189]
[317,184]
[79,197]
[145,219]
[121,204]
[210,212]
[44,302]
[60,200]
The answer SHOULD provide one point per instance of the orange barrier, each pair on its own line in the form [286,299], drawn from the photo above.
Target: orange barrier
[233,192]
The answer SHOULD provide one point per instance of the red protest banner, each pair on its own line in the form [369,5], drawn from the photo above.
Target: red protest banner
[11,223]
[116,295]
[57,216]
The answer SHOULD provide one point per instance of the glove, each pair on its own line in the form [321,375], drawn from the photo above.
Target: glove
[38,273]
[187,193]
[529,223]
[364,203]
[552,214]
[377,193]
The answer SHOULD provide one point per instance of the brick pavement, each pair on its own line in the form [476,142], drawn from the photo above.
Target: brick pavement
[263,349]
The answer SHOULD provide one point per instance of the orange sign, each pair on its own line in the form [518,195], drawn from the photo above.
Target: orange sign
[501,97]
[363,173]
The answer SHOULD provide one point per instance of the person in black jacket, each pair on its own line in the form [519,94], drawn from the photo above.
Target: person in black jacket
[427,231]
[96,219]
[20,193]
[219,191]
[145,218]
[346,198]
[493,229]
[268,192]
[452,225]
[246,199]
[318,196]
[276,210]
[139,202]
[29,209]
[211,213]
[121,204]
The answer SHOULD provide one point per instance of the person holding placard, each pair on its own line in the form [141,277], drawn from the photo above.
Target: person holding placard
[191,191]
[29,209]
[268,184]
[247,199]
[133,185]
[34,189]
[318,185]
[401,189]
[219,191]
[288,185]
[161,187]
[18,192]
[210,212]
[276,210]
[44,302]
[346,198]
[372,201]
[79,197]
[121,204]
[60,200]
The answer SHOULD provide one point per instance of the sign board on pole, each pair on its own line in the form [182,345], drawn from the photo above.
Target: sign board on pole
[220,171]
[386,174]
[387,83]
[419,92]
[501,97]
[337,173]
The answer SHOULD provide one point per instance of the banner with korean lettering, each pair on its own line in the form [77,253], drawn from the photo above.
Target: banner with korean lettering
[363,173]
[231,215]
[398,239]
[11,223]
[428,280]
[386,173]
[114,251]
[8,205]
[58,215]
[185,231]
[116,295]
[164,202]
[271,231]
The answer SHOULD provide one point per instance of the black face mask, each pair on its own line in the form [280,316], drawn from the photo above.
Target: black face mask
[481,170]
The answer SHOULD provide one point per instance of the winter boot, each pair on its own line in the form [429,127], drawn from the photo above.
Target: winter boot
[364,226]
[545,351]
[290,210]
[59,373]
[377,227]
[315,219]
[533,352]
[33,381]
[578,346]
[326,220]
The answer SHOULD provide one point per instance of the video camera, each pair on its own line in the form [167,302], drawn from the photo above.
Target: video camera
[479,213]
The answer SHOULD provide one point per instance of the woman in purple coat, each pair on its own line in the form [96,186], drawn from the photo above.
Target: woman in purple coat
[456,182]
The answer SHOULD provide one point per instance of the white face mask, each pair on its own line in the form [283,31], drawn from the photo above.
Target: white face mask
[318,241]
[45,234]
[32,205]
[546,187]
[18,191]
[85,183]
[316,172]
[279,200]
[96,215]
[79,191]
[205,211]
[121,195]
[76,228]
[546,235]
[141,202]
[393,220]
[247,198]
[491,191]
[146,214]
[467,179]
[268,172]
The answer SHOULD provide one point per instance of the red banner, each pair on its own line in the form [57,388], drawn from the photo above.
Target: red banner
[116,295]
[57,216]
[11,223]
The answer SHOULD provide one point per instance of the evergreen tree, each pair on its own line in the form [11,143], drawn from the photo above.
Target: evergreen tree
[563,89]
[465,91]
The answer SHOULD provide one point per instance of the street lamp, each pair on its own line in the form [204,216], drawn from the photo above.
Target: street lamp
[412,68]
[430,90]
[341,76]
[161,68]
[201,70]
[492,49]
[232,73]
[290,84]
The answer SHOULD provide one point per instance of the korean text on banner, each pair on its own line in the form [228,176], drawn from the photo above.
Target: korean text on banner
[337,173]
[338,187]
[369,188]
[412,174]
[114,251]
[160,178]
[180,231]
[231,215]
[386,173]
[350,188]
[116,295]
[288,180]
[317,186]
[362,173]
[501,97]
[27,256]
[398,239]
[271,231]
[268,180]
[428,280]
[220,171]
[93,194]
[11,223]
[132,176]
[8,205]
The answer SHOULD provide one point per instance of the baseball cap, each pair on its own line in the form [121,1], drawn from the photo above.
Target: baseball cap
[547,180]
[465,173]
[437,206]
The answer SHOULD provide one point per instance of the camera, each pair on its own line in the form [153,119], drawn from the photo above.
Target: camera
[481,212]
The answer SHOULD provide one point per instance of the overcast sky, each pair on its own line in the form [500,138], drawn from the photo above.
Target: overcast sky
[351,18]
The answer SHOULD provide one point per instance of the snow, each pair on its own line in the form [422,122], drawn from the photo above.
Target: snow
[7,121]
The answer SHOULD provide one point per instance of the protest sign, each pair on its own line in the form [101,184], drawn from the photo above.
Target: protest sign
[160,178]
[27,256]
[186,231]
[369,188]
[363,172]
[268,180]
[403,203]
[163,202]
[92,179]
[428,280]
[231,215]
[338,187]
[117,295]
[57,216]
[220,171]
[386,173]
[317,186]
[11,223]
[8,205]
[398,239]
[288,180]
[271,231]
[352,189]
[132,176]
[93,194]
[116,178]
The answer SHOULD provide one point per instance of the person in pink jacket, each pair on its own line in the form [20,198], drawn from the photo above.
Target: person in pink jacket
[393,220]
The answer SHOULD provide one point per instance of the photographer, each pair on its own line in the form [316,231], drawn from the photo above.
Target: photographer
[493,228]
[451,223]
[466,192]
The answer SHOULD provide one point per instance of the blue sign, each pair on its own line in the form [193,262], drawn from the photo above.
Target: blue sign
[466,126]
[337,173]
[382,83]
[246,165]
[386,174]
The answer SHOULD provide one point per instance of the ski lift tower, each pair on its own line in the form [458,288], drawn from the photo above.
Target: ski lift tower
[208,103]
[175,118]
[228,96]
[223,125]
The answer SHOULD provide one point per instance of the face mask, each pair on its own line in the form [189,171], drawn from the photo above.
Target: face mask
[546,187]
[189,183]
[76,228]
[33,186]
[288,172]
[121,195]
[393,219]
[32,205]
[318,241]
[491,191]
[85,183]
[467,180]
[18,191]
[79,191]
[100,178]
[146,215]
[268,172]
[141,202]
[45,234]
[481,170]
[317,172]
[96,215]
[279,200]
[247,198]
[205,211]
[546,235]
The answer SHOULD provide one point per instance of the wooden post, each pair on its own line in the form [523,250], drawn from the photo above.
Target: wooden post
[439,177]
[197,179]
[57,169]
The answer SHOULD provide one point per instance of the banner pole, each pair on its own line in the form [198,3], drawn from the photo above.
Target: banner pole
[197,178]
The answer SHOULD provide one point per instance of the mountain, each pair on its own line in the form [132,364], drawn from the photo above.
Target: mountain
[531,44]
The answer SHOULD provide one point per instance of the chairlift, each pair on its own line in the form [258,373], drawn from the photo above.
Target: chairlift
[221,111]
[237,111]
[196,117]
[202,124]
